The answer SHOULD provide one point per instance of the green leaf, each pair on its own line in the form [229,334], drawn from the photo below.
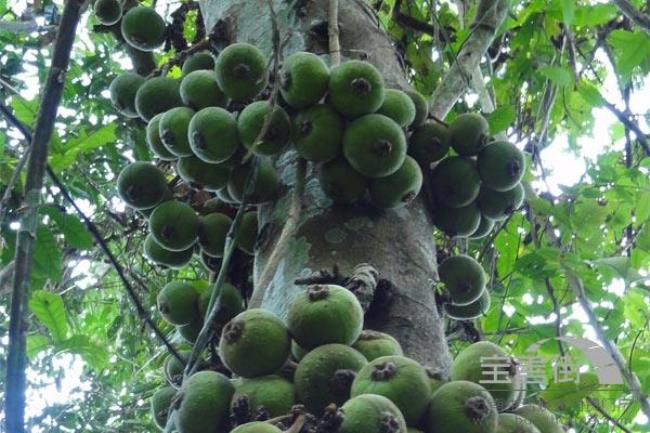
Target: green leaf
[594,14]
[49,309]
[36,344]
[635,307]
[568,11]
[95,355]
[83,144]
[75,232]
[557,74]
[590,93]
[48,260]
[631,52]
[568,395]
[501,118]
[24,110]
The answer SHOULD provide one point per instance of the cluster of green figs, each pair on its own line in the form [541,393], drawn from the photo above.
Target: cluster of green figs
[342,120]
[319,360]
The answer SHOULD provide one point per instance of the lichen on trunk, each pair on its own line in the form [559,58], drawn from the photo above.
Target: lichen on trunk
[398,243]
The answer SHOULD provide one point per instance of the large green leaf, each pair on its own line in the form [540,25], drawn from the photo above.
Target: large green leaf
[49,309]
[93,353]
[75,232]
[48,260]
[631,51]
[501,118]
[82,144]
[557,74]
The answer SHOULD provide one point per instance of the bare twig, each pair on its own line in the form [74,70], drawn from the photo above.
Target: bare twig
[490,15]
[639,18]
[629,124]
[207,331]
[333,32]
[592,401]
[630,377]
[17,357]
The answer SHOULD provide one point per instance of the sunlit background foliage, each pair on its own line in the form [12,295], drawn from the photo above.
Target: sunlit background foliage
[569,81]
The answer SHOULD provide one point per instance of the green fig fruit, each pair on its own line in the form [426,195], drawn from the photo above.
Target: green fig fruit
[143,28]
[202,60]
[199,89]
[160,402]
[463,277]
[211,177]
[317,133]
[325,374]
[174,225]
[241,71]
[259,332]
[356,88]
[398,106]
[246,236]
[501,165]
[303,79]
[498,205]
[471,310]
[341,182]
[213,135]
[402,380]
[374,344]
[469,133]
[461,406]
[157,95]
[272,394]
[255,137]
[470,364]
[204,403]
[541,417]
[397,189]
[213,229]
[173,127]
[457,222]
[374,145]
[325,313]
[155,143]
[370,413]
[178,303]
[141,185]
[429,143]
[162,256]
[455,182]
[123,89]
[421,107]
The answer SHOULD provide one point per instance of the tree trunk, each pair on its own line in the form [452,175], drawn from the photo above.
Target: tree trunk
[398,243]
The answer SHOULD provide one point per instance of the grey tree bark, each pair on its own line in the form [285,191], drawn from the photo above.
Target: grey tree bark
[398,243]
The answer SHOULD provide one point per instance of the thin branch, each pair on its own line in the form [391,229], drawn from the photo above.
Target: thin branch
[18,325]
[333,32]
[629,124]
[408,21]
[630,377]
[604,413]
[490,14]
[639,18]
[288,230]
[207,331]
[6,275]
[94,231]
